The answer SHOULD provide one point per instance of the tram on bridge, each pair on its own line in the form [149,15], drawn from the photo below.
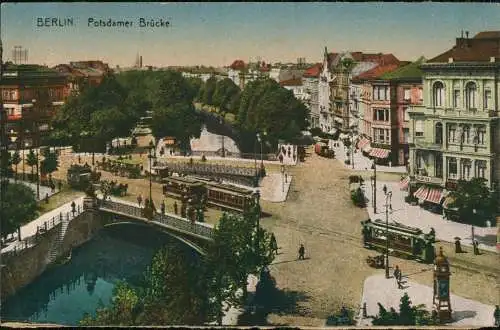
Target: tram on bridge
[211,192]
[403,240]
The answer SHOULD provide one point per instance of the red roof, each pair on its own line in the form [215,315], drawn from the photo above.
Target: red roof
[376,72]
[291,82]
[379,58]
[238,65]
[313,71]
[481,48]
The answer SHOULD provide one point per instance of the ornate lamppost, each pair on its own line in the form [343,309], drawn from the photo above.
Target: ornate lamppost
[151,156]
[441,293]
[257,214]
[374,187]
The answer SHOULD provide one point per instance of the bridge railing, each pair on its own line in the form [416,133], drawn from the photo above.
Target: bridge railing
[208,168]
[171,220]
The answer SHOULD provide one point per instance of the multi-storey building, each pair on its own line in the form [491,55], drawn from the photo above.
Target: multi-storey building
[241,73]
[455,134]
[343,67]
[405,85]
[377,118]
[310,81]
[325,79]
[30,95]
[83,72]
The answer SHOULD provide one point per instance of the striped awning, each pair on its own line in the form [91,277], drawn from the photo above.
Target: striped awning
[404,183]
[362,143]
[379,153]
[421,192]
[435,195]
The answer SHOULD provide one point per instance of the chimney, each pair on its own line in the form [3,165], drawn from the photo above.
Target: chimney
[462,34]
[140,61]
[467,34]
[450,60]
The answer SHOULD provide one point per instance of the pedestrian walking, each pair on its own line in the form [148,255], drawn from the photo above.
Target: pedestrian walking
[274,244]
[496,315]
[73,208]
[46,198]
[397,276]
[59,185]
[139,200]
[175,208]
[162,207]
[79,159]
[475,245]
[286,177]
[302,252]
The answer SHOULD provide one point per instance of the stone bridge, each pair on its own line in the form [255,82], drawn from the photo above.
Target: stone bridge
[195,234]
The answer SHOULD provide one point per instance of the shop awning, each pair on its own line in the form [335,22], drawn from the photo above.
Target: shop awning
[421,192]
[404,183]
[435,195]
[362,143]
[379,153]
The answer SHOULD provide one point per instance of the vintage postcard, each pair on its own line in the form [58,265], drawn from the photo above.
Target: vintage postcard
[250,164]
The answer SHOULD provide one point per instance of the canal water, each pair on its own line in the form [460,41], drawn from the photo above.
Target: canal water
[64,293]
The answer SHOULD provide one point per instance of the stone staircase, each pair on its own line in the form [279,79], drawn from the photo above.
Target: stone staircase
[56,246]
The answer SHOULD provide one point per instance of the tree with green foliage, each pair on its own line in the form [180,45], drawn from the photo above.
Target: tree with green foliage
[19,207]
[197,87]
[408,314]
[225,95]
[15,160]
[50,163]
[209,91]
[474,201]
[6,165]
[32,161]
[173,111]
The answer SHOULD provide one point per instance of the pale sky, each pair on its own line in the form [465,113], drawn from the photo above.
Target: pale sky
[218,33]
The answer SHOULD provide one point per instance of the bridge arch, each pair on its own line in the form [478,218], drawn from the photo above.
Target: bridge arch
[196,247]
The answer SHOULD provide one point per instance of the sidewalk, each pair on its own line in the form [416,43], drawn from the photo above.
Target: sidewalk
[416,216]
[29,229]
[465,312]
[273,187]
[361,163]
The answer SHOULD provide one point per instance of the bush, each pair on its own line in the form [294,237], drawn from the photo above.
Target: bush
[347,162]
[358,198]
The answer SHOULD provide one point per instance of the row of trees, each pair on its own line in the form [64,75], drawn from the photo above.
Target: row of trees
[48,165]
[180,288]
[18,207]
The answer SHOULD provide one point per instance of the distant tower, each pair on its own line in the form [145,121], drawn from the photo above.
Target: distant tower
[140,61]
[137,59]
[20,55]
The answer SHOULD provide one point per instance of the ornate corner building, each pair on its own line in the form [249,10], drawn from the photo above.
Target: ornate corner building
[455,133]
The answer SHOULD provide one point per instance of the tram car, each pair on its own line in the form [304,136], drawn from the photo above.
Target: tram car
[228,197]
[403,240]
[177,187]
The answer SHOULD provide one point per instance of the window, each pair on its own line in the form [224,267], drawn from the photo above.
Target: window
[487,99]
[466,167]
[438,166]
[381,136]
[470,95]
[406,114]
[420,94]
[419,160]
[438,94]
[419,128]
[407,94]
[465,134]
[456,98]
[406,135]
[452,168]
[481,133]
[438,138]
[480,169]
[452,133]
[380,93]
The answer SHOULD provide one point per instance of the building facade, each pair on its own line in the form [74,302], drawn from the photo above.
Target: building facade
[325,79]
[455,134]
[310,80]
[31,94]
[241,73]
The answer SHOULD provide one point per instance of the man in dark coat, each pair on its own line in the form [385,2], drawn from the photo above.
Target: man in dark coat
[302,252]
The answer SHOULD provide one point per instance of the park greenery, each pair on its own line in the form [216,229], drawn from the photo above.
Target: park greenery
[181,287]
[32,161]
[15,160]
[19,207]
[408,315]
[474,201]
[50,163]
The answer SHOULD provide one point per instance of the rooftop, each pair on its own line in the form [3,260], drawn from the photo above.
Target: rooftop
[481,48]
[408,71]
[291,82]
[376,72]
[313,71]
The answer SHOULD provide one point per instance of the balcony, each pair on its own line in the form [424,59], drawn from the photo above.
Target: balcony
[428,179]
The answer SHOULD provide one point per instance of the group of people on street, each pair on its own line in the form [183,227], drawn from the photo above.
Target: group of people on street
[162,204]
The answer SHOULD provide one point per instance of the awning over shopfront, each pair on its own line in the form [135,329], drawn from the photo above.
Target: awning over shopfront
[404,183]
[435,195]
[379,153]
[421,192]
[362,143]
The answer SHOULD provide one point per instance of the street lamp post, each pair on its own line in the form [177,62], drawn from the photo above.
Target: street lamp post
[151,156]
[257,217]
[37,175]
[388,200]
[352,150]
[13,139]
[221,120]
[283,177]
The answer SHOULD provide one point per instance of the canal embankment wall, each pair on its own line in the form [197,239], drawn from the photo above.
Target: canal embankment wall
[22,267]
